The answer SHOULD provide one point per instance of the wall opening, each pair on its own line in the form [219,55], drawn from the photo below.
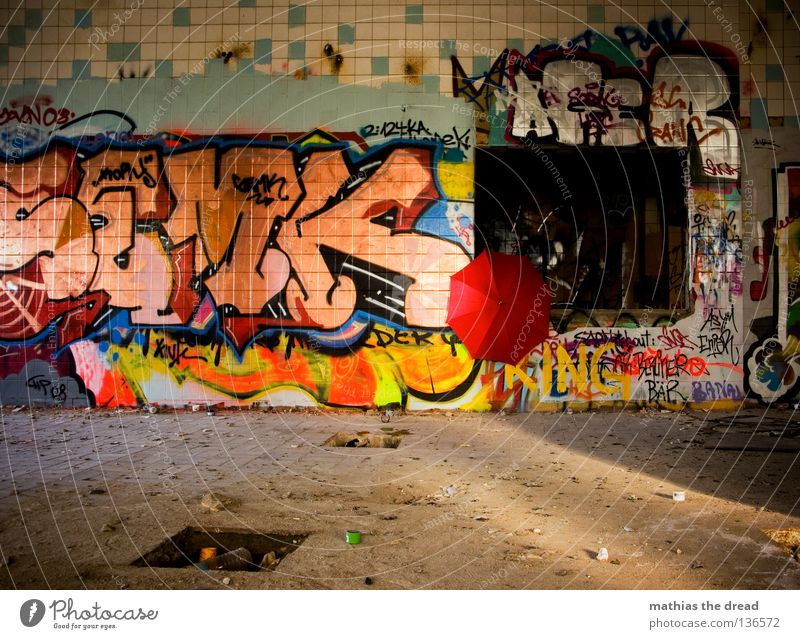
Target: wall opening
[606,226]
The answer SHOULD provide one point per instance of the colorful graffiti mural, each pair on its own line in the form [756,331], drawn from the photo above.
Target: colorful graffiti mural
[773,362]
[303,247]
[639,86]
[312,268]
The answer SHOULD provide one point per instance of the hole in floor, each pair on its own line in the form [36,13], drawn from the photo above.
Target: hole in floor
[221,549]
[387,438]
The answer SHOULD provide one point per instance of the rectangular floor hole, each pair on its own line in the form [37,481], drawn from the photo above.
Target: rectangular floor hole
[184,548]
[389,438]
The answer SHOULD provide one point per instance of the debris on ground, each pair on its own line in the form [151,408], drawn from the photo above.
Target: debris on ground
[270,561]
[787,538]
[602,554]
[217,502]
[239,559]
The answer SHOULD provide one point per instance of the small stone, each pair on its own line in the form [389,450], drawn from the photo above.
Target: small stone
[368,581]
[602,554]
[97,491]
[616,562]
[695,564]
[537,531]
[107,528]
[481,518]
[287,495]
[678,551]
[562,573]
[389,517]
[226,581]
[270,561]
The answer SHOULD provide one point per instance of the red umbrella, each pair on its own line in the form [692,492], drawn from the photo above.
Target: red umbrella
[499,307]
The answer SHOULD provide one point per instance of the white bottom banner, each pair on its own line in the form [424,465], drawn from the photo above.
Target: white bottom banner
[351,614]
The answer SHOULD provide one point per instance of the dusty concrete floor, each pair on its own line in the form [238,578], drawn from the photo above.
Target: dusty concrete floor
[466,501]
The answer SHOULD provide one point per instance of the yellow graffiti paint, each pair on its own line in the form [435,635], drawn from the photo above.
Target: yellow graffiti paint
[457,180]
[567,366]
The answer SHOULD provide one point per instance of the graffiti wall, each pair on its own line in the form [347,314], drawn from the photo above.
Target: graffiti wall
[281,267]
[772,362]
[633,87]
[159,250]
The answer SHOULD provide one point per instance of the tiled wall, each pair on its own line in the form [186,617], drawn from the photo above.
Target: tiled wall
[156,309]
[74,40]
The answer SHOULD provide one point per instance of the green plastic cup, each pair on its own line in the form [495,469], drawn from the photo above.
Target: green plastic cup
[353,537]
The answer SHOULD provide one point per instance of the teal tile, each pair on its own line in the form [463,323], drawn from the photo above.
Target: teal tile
[792,121]
[414,14]
[347,34]
[246,4]
[33,19]
[774,73]
[164,69]
[595,13]
[758,114]
[430,83]
[3,54]
[516,43]
[17,36]
[80,69]
[83,18]
[380,66]
[181,17]
[481,64]
[297,15]
[263,51]
[297,50]
[446,49]
[122,51]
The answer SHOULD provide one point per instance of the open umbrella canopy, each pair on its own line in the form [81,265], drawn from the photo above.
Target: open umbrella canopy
[499,307]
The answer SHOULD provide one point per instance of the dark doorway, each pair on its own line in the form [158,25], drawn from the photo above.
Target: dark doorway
[607,226]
